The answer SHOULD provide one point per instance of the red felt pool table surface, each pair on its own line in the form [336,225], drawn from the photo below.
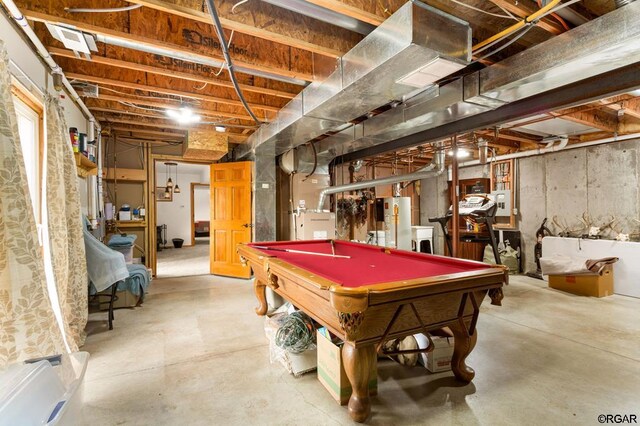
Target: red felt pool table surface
[367,264]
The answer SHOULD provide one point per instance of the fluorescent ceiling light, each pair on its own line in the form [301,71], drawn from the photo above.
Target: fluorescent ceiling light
[183,115]
[430,73]
[221,129]
[462,153]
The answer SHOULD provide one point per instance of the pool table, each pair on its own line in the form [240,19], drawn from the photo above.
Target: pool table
[367,295]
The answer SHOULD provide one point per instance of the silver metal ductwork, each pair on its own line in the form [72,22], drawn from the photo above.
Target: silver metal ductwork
[602,45]
[435,168]
[620,3]
[607,43]
[412,49]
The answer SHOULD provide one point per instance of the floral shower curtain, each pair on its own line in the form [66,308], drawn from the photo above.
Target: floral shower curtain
[28,327]
[66,240]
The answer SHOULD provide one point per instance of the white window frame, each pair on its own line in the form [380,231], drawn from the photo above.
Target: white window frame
[29,109]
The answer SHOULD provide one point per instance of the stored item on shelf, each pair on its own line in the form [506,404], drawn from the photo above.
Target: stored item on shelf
[73,136]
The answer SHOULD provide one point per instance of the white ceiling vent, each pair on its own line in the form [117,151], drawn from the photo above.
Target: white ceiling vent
[73,39]
[430,73]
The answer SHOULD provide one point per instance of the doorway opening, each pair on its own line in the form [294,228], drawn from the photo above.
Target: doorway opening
[182,216]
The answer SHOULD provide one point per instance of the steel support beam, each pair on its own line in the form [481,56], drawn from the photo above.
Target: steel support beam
[612,83]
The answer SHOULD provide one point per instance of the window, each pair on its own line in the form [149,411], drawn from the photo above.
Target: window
[29,116]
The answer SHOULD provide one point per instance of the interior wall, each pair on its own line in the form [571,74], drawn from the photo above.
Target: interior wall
[20,52]
[201,203]
[176,214]
[600,180]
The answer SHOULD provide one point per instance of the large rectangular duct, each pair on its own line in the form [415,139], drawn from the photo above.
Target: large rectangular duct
[602,45]
[414,47]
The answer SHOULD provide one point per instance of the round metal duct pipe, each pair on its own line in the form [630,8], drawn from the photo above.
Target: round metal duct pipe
[620,3]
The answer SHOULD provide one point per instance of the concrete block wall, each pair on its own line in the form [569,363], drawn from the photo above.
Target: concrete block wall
[600,180]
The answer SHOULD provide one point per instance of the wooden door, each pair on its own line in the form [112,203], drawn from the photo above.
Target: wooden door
[230,217]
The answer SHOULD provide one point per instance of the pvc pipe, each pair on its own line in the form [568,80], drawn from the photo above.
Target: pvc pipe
[563,146]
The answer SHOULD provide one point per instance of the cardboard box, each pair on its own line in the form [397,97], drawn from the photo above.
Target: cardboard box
[331,371]
[585,285]
[440,358]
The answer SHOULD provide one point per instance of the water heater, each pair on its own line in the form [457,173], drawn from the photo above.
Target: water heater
[397,222]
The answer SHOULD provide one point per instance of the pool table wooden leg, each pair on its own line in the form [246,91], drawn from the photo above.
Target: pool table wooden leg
[260,289]
[357,365]
[463,345]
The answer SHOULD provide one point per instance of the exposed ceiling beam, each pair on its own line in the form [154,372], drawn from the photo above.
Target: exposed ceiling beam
[155,89]
[167,104]
[502,134]
[161,117]
[138,40]
[348,10]
[171,135]
[168,72]
[301,41]
[629,105]
[150,123]
[521,10]
[589,117]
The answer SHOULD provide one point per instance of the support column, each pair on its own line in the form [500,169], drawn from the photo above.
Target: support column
[264,195]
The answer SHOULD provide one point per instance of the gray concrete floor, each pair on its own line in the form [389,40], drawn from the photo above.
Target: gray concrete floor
[185,261]
[195,354]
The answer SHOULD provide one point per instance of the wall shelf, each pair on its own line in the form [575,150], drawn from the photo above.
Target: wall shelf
[129,175]
[131,223]
[84,166]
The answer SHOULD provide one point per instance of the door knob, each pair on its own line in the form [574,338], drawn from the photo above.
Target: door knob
[248,225]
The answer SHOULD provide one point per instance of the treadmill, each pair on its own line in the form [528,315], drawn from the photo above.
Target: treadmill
[481,209]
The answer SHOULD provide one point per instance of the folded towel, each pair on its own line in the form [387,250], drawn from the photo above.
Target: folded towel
[122,240]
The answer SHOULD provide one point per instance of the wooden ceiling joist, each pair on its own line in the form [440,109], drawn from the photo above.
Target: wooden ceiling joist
[629,105]
[160,117]
[167,104]
[163,125]
[170,135]
[350,11]
[148,41]
[521,10]
[168,73]
[165,91]
[302,40]
[589,117]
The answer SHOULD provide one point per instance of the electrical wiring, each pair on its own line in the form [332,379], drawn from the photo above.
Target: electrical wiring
[225,51]
[139,107]
[504,46]
[507,12]
[157,98]
[106,10]
[241,2]
[557,17]
[217,74]
[534,17]
[497,15]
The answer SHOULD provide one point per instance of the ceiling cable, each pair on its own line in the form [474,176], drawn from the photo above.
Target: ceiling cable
[497,15]
[225,50]
[107,10]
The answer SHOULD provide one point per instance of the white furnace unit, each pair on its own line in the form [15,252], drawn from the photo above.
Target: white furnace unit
[315,225]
